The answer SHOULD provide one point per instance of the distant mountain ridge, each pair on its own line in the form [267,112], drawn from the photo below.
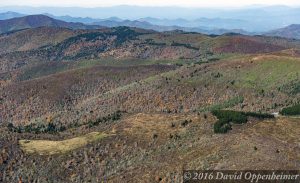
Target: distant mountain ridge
[251,18]
[161,25]
[205,23]
[85,20]
[291,31]
[34,21]
[10,14]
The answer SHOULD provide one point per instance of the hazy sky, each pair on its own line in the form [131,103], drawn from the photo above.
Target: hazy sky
[186,3]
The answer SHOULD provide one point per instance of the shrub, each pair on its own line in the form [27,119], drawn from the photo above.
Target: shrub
[222,126]
[259,115]
[111,117]
[152,42]
[36,128]
[213,59]
[185,123]
[53,128]
[10,126]
[291,111]
[184,45]
[230,116]
[227,117]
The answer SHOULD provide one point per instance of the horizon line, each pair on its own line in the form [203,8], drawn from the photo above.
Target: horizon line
[156,6]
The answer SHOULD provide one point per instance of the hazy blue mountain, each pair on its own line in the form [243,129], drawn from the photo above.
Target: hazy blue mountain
[33,21]
[201,22]
[67,18]
[10,14]
[222,23]
[167,22]
[162,28]
[85,20]
[202,25]
[251,18]
[160,25]
[291,31]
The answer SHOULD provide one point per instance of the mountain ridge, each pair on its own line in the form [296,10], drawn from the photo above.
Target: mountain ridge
[50,20]
[34,21]
[292,31]
[260,19]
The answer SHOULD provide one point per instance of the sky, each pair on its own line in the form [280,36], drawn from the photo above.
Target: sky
[183,3]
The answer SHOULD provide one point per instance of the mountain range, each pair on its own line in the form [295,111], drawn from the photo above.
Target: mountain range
[251,18]
[20,21]
[32,21]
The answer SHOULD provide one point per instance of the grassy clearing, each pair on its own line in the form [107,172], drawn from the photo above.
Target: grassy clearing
[226,104]
[47,147]
[270,72]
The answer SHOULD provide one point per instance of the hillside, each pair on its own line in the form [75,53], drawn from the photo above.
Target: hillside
[35,38]
[158,100]
[133,43]
[240,76]
[33,21]
[292,31]
[137,148]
